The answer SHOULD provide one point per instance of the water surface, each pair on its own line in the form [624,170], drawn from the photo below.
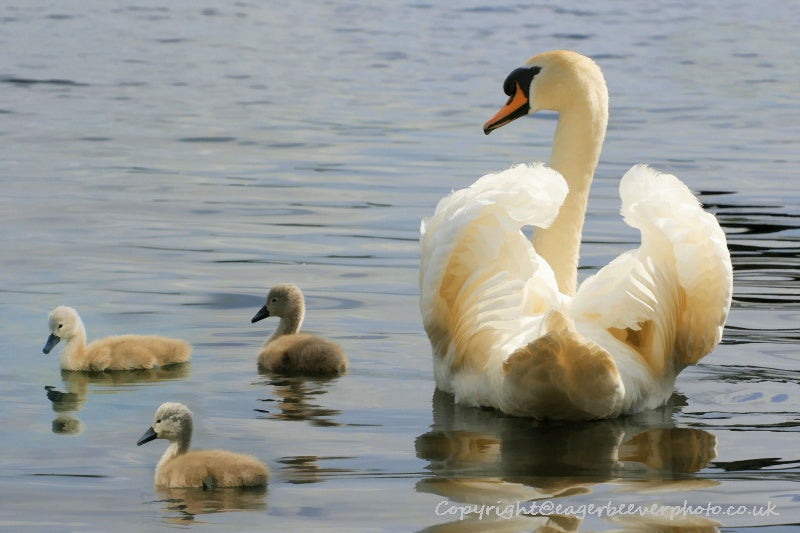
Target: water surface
[161,165]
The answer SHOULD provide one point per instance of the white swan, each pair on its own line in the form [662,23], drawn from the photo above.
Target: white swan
[290,352]
[120,352]
[208,469]
[507,326]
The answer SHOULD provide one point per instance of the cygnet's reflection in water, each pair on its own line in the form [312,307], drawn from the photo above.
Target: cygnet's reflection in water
[298,398]
[183,505]
[480,456]
[76,385]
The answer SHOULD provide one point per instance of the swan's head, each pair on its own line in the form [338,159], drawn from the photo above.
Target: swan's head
[553,81]
[172,421]
[284,300]
[64,324]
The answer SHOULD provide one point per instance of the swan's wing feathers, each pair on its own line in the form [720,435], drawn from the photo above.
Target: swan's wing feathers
[664,206]
[624,294]
[478,273]
[668,299]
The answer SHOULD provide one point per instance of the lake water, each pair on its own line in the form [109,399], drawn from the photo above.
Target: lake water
[163,163]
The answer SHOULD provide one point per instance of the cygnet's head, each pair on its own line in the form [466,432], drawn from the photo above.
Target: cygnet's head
[64,323]
[284,300]
[172,421]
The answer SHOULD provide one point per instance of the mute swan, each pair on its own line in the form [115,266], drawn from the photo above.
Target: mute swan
[121,352]
[290,352]
[208,469]
[507,326]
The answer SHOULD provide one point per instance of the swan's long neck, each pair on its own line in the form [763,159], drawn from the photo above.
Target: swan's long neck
[290,324]
[576,148]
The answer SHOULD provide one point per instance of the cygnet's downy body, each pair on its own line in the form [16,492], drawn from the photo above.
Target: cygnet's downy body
[290,352]
[121,352]
[206,469]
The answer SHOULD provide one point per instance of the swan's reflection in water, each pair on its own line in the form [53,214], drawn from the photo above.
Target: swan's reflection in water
[298,398]
[76,384]
[183,506]
[301,469]
[480,456]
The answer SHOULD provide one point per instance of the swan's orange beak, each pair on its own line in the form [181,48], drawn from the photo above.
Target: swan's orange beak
[517,106]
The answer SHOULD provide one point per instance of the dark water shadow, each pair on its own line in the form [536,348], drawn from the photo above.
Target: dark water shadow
[185,505]
[479,456]
[77,388]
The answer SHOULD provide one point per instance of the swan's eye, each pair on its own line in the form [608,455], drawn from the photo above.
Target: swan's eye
[510,85]
[522,77]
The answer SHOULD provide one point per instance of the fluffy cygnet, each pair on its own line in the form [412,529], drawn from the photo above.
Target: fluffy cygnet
[290,352]
[121,352]
[208,469]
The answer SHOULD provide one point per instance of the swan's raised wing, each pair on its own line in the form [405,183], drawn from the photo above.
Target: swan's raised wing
[667,300]
[482,285]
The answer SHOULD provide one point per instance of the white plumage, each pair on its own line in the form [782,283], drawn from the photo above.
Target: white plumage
[507,326]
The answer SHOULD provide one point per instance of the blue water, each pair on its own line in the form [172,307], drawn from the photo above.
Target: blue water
[163,164]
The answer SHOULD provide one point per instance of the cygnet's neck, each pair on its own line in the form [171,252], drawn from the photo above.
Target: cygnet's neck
[74,351]
[176,447]
[290,324]
[577,142]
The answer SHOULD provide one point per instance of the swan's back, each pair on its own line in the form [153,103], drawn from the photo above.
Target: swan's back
[210,469]
[302,353]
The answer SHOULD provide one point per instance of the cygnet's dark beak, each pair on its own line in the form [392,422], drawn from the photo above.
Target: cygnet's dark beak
[262,313]
[149,435]
[52,340]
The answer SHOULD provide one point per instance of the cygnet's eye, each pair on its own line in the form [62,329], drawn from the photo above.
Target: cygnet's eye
[158,421]
[60,326]
[274,300]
